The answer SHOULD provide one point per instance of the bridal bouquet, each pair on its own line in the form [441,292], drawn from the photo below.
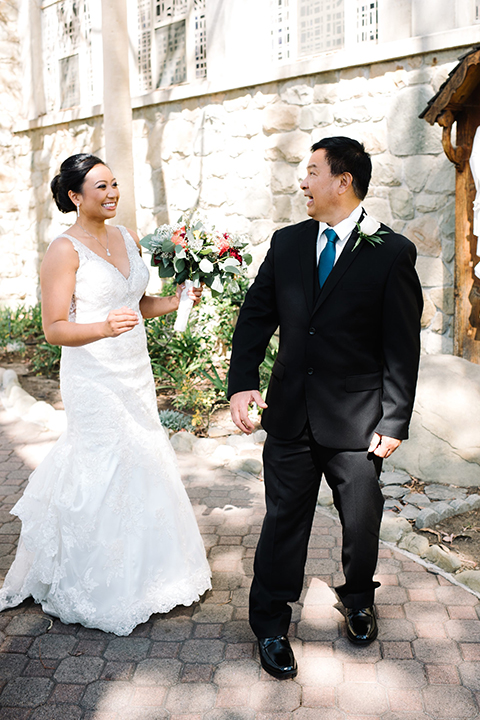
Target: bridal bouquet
[192,253]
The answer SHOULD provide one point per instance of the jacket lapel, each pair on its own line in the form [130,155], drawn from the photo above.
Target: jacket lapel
[346,258]
[307,248]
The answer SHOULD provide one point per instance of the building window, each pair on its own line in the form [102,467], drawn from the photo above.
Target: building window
[477,11]
[165,30]
[66,36]
[281,48]
[367,21]
[321,26]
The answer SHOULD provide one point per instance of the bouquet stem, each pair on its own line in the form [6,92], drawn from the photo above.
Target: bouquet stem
[184,308]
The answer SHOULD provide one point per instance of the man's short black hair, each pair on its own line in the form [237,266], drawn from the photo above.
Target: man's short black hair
[344,154]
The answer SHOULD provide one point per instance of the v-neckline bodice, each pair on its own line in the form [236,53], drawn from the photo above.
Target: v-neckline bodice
[125,277]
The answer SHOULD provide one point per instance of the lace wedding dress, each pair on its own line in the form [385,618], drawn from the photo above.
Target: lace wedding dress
[108,533]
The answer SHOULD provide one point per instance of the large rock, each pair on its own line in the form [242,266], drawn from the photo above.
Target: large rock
[444,444]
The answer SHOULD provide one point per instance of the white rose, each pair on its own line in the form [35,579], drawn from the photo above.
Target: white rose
[369,225]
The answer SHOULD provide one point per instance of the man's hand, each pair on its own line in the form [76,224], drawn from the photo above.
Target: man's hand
[383,446]
[239,404]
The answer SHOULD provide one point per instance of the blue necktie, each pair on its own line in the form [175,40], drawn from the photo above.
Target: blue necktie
[327,256]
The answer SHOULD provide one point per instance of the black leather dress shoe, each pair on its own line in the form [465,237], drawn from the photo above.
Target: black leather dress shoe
[277,657]
[362,626]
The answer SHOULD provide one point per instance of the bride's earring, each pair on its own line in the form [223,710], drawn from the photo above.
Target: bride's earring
[78,211]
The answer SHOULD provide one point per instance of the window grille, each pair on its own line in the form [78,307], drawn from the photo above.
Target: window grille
[145,45]
[281,30]
[200,39]
[321,26]
[170,9]
[170,46]
[165,29]
[67,59]
[367,21]
[477,12]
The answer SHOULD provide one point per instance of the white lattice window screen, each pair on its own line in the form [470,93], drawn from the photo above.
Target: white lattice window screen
[200,39]
[164,29]
[321,26]
[280,30]
[145,44]
[477,12]
[67,61]
[170,9]
[171,51]
[367,21]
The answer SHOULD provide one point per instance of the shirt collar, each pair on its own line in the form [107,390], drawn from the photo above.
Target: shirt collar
[345,226]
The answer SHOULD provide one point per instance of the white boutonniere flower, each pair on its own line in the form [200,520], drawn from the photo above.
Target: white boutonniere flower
[369,230]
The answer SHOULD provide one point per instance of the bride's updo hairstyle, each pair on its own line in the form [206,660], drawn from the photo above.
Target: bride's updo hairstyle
[71,177]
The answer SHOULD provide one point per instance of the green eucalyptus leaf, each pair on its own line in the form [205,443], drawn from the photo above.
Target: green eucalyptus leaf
[178,264]
[247,259]
[145,242]
[166,272]
[168,245]
[217,284]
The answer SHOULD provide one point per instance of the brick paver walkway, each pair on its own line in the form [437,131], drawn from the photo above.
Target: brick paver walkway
[200,663]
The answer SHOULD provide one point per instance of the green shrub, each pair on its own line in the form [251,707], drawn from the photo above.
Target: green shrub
[174,420]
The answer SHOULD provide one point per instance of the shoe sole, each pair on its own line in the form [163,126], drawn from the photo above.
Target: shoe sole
[362,643]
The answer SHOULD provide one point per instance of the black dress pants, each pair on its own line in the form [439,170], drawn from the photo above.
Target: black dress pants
[293,470]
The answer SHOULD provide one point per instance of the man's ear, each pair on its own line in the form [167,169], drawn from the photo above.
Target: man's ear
[345,183]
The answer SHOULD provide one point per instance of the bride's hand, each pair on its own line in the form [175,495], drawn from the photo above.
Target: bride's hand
[194,293]
[120,321]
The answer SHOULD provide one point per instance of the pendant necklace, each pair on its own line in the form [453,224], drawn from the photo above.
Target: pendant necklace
[95,238]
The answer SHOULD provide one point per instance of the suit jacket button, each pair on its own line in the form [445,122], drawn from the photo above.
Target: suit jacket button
[311,331]
[310,371]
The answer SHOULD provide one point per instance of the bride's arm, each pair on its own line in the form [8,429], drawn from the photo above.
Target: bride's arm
[57,278]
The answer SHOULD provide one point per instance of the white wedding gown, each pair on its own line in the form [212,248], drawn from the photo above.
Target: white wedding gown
[108,533]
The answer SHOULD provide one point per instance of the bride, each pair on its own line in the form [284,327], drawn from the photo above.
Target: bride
[108,533]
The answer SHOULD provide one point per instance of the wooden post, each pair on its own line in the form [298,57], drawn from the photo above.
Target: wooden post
[467,285]
[117,106]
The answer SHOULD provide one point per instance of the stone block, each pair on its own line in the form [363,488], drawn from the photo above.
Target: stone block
[295,93]
[441,179]
[414,543]
[410,512]
[401,202]
[284,179]
[386,170]
[443,509]
[393,528]
[444,702]
[183,442]
[440,492]
[282,209]
[394,478]
[459,506]
[394,491]
[316,116]
[426,518]
[79,670]
[280,118]
[473,501]
[423,231]
[445,560]
[379,208]
[432,271]
[443,298]
[326,92]
[351,111]
[407,133]
[420,500]
[292,147]
[429,202]
[470,578]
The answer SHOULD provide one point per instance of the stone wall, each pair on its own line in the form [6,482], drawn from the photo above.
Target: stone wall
[239,156]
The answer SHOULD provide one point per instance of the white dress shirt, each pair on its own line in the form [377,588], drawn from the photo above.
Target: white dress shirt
[343,229]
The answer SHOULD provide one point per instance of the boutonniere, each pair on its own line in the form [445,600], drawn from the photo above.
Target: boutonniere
[369,231]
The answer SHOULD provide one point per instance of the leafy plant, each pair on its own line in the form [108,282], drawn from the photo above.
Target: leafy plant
[174,420]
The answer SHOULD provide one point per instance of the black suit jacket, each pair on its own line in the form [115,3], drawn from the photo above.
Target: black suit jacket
[348,354]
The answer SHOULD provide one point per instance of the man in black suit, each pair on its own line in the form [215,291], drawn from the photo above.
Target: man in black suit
[345,295]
